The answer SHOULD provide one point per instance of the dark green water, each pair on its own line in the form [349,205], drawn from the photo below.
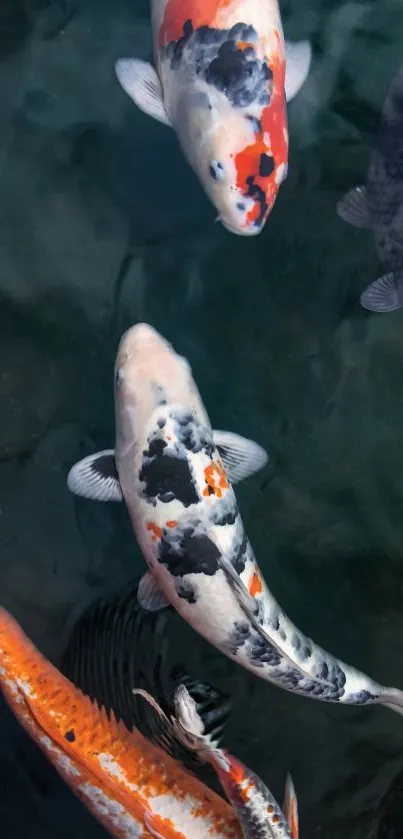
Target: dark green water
[103,224]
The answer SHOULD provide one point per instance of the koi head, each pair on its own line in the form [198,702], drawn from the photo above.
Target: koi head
[149,374]
[237,145]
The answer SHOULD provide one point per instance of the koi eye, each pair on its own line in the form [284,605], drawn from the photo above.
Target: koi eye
[216,170]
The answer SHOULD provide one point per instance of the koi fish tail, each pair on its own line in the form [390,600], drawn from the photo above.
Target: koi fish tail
[392,698]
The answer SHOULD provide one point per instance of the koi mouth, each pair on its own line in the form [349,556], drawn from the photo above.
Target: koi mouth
[248,230]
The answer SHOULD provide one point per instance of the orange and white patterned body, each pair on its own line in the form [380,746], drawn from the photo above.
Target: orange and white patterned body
[221,75]
[132,787]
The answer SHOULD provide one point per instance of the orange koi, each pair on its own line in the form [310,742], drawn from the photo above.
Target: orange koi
[133,787]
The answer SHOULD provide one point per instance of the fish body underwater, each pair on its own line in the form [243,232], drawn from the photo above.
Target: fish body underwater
[132,786]
[221,78]
[105,657]
[174,473]
[388,819]
[378,205]
[258,812]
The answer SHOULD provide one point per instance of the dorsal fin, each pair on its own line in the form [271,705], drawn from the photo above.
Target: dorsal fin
[290,807]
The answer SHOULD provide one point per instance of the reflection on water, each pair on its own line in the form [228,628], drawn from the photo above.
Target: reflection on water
[103,224]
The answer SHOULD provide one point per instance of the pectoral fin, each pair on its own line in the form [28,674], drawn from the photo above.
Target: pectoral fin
[384,295]
[298,57]
[149,594]
[140,81]
[353,208]
[96,477]
[241,457]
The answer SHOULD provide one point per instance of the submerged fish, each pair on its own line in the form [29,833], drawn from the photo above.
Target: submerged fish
[388,819]
[222,77]
[115,647]
[187,717]
[175,474]
[258,812]
[378,205]
[132,786]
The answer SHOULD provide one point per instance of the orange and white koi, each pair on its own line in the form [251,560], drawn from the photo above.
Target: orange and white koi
[133,787]
[258,812]
[221,79]
[175,474]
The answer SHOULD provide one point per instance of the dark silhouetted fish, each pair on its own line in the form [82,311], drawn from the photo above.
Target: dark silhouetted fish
[388,822]
[117,646]
[379,204]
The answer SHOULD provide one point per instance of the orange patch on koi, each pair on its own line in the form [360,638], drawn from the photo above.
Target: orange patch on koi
[215,479]
[255,585]
[243,45]
[271,140]
[49,707]
[155,530]
[200,12]
[171,523]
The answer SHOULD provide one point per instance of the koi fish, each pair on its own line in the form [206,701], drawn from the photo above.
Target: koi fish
[175,476]
[221,78]
[378,205]
[187,717]
[259,814]
[132,786]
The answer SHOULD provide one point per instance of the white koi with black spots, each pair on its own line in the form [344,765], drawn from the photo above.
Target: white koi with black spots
[174,473]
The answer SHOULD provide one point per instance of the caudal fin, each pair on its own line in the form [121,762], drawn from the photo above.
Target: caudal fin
[392,698]
[290,807]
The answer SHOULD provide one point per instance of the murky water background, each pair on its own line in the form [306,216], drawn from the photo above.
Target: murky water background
[103,224]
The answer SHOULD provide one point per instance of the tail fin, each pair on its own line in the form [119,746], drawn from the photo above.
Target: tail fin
[290,807]
[392,698]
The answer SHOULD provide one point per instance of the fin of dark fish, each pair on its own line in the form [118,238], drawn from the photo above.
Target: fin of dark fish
[141,82]
[149,594]
[115,647]
[353,207]
[298,57]
[290,807]
[383,294]
[96,477]
[241,457]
